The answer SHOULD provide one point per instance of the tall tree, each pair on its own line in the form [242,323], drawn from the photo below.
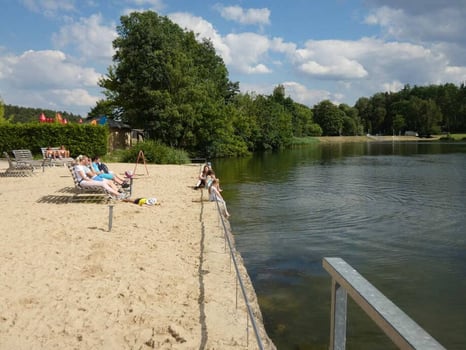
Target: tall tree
[351,122]
[329,117]
[2,112]
[164,81]
[364,111]
[274,122]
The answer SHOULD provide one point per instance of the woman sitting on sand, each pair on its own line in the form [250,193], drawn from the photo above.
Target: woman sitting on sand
[202,177]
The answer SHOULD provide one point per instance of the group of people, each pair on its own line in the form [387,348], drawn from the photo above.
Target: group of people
[90,173]
[59,153]
[209,181]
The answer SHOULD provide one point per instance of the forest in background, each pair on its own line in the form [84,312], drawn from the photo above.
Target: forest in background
[175,87]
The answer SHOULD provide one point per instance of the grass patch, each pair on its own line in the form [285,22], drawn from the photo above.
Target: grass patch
[458,137]
[454,137]
[308,140]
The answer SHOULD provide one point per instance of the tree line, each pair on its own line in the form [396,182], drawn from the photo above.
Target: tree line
[18,114]
[175,87]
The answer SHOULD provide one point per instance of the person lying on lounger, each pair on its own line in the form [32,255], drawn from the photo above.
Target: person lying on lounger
[85,178]
[98,168]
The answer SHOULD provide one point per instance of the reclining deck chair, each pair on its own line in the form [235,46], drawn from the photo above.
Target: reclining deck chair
[24,156]
[94,190]
[17,168]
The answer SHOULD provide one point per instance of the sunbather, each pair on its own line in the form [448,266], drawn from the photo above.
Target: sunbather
[86,178]
[98,168]
[142,201]
[51,153]
[63,152]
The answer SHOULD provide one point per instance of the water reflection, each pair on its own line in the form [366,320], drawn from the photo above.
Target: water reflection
[394,211]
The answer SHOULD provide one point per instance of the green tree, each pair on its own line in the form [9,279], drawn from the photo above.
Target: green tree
[351,122]
[399,123]
[164,81]
[245,120]
[301,115]
[302,121]
[378,112]
[329,117]
[364,111]
[430,117]
[2,112]
[274,123]
[449,104]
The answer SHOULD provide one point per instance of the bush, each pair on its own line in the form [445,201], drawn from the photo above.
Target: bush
[155,153]
[78,138]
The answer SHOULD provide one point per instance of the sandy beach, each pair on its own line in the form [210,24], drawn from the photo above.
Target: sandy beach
[160,278]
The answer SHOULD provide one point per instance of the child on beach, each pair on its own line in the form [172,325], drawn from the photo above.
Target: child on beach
[214,195]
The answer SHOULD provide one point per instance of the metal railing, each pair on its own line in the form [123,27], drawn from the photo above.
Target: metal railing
[240,281]
[398,326]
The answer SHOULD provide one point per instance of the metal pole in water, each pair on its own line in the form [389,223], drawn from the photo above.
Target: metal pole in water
[110,217]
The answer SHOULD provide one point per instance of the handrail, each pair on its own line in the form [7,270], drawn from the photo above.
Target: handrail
[398,326]
[238,275]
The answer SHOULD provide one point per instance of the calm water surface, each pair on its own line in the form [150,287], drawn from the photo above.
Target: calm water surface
[394,211]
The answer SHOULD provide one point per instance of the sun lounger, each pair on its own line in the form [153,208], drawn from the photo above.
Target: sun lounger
[24,157]
[94,190]
[17,169]
[54,161]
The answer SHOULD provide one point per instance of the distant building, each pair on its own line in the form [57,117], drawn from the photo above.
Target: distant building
[120,133]
[411,133]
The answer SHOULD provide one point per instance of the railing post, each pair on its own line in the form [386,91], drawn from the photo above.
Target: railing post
[338,317]
[399,327]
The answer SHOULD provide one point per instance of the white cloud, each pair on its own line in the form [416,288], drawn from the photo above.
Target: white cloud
[392,86]
[204,29]
[152,3]
[245,16]
[47,69]
[49,8]
[359,67]
[302,94]
[373,60]
[92,39]
[74,97]
[143,5]
[248,52]
[241,52]
[278,45]
[444,24]
[47,79]
[331,59]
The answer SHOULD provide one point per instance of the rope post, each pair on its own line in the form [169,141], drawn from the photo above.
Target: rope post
[110,217]
[247,330]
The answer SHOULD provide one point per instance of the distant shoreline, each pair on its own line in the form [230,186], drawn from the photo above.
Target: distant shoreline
[343,139]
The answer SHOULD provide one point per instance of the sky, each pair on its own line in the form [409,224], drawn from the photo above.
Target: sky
[53,52]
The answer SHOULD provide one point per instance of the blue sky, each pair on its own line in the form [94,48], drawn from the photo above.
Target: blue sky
[52,52]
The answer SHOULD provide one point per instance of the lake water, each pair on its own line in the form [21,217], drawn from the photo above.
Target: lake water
[396,212]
